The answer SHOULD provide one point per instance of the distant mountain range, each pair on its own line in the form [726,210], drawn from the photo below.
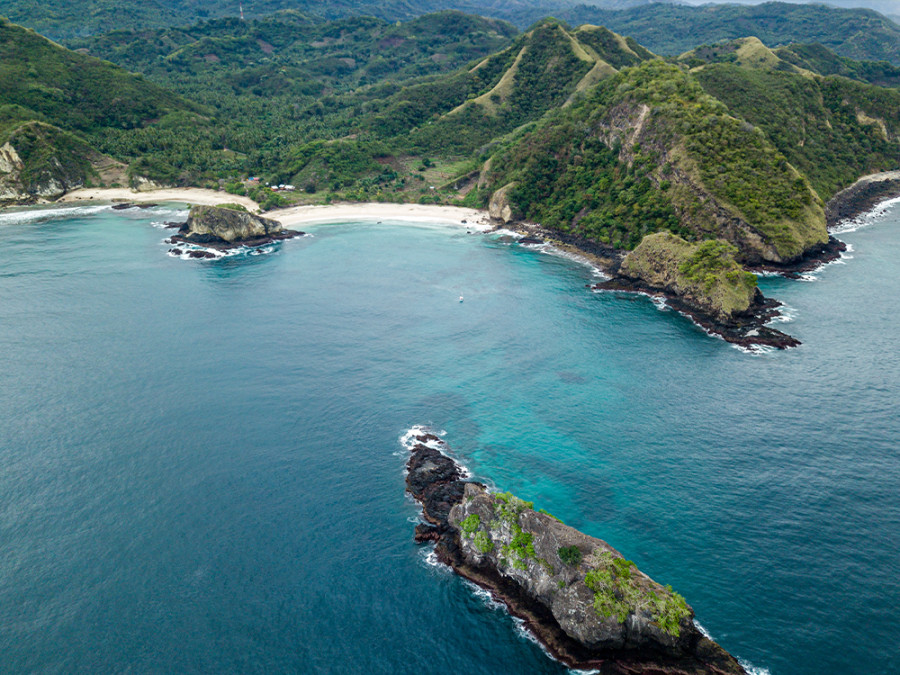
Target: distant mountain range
[667,28]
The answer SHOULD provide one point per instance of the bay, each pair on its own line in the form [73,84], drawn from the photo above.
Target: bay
[200,467]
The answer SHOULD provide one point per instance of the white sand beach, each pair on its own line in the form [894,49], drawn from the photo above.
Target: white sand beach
[295,216]
[341,213]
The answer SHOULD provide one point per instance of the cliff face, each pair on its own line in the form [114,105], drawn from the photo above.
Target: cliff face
[587,605]
[42,162]
[227,224]
[648,150]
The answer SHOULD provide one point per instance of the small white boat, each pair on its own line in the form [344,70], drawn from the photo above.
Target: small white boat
[460,298]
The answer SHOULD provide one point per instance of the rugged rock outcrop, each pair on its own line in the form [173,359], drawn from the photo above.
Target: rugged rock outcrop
[589,606]
[224,228]
[863,195]
[704,281]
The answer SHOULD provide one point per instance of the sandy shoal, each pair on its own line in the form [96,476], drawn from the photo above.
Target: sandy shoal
[185,195]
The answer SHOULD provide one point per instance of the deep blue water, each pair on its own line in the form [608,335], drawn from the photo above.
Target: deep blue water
[200,467]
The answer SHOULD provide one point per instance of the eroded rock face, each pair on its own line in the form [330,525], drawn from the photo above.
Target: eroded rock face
[225,228]
[228,225]
[590,607]
[501,207]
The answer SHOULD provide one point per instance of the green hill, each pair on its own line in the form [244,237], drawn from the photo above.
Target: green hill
[61,113]
[648,150]
[834,129]
[62,19]
[671,29]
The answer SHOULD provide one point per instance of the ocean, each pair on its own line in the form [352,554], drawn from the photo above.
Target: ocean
[201,467]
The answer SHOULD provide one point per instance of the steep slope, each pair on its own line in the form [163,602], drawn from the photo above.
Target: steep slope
[543,69]
[833,129]
[40,161]
[648,150]
[64,114]
[822,61]
[74,91]
[546,68]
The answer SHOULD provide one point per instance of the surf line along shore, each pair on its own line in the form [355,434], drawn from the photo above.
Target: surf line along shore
[296,215]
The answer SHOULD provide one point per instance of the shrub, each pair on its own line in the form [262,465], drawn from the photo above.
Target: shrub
[570,555]
[483,542]
[470,524]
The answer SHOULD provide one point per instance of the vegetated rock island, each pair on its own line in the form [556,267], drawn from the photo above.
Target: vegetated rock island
[589,606]
[223,228]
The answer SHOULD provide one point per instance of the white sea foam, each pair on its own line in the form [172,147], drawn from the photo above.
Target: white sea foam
[703,630]
[36,215]
[786,314]
[503,232]
[753,670]
[485,596]
[870,217]
[409,439]
[549,249]
[430,559]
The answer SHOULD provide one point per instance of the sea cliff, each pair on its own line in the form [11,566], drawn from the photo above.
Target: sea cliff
[589,606]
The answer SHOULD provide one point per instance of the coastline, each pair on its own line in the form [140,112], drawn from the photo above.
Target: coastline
[439,484]
[866,194]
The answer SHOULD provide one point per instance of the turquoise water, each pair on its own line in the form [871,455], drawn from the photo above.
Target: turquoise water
[200,466]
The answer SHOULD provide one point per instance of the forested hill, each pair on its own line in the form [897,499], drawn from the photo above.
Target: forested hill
[62,19]
[665,28]
[59,112]
[671,29]
[288,52]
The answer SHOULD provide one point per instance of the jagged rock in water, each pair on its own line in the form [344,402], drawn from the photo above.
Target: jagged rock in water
[224,228]
[587,605]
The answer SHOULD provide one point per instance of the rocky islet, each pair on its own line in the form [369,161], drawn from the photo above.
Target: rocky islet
[588,606]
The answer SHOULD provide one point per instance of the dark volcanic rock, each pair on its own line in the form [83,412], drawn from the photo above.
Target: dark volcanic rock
[429,468]
[122,207]
[747,329]
[862,196]
[811,260]
[223,229]
[478,533]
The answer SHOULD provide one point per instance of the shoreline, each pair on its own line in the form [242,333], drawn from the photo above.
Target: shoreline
[866,194]
[315,214]
[307,214]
